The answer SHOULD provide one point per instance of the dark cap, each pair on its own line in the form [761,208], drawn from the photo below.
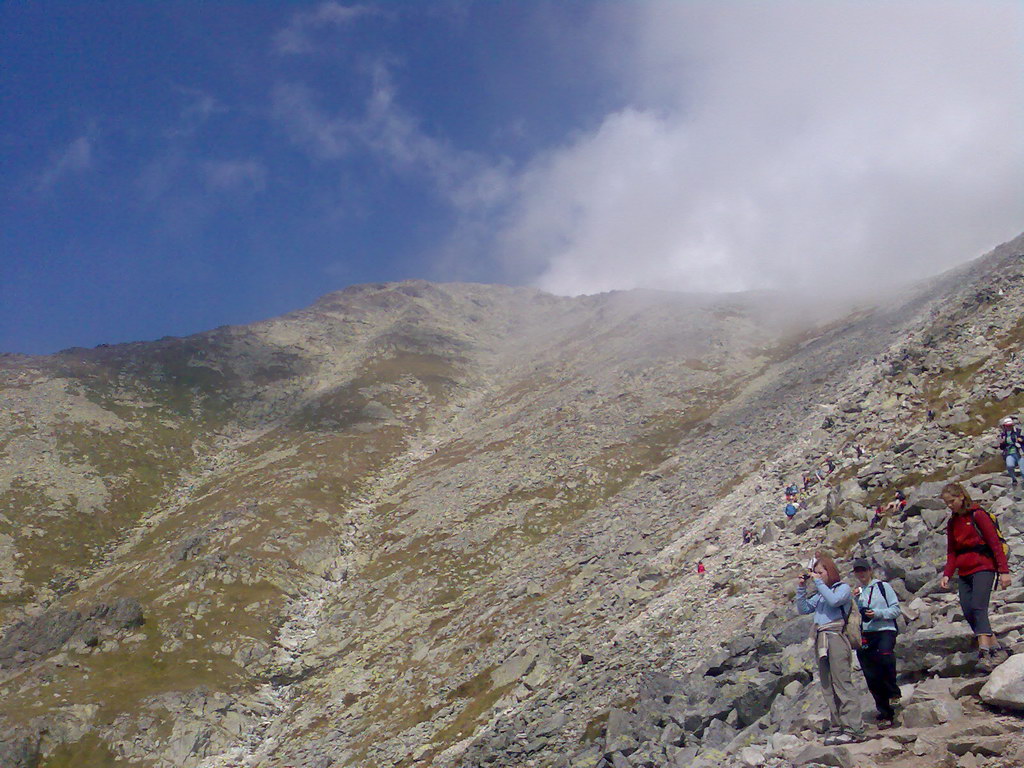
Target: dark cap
[860,564]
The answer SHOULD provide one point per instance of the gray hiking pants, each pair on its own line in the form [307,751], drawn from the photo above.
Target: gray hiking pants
[975,593]
[835,672]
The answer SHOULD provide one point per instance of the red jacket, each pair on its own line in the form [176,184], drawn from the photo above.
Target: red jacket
[963,544]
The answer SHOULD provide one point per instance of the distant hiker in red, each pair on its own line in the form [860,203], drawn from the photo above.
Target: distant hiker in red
[975,552]
[700,567]
[898,504]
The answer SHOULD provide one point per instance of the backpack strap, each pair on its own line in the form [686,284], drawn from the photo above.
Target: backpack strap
[984,548]
[881,588]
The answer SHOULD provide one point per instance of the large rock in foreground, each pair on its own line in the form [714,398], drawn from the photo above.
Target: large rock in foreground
[1005,686]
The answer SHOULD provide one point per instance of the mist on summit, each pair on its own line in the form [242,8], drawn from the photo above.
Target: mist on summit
[211,169]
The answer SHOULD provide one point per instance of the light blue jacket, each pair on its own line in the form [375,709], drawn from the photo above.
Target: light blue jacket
[828,604]
[886,613]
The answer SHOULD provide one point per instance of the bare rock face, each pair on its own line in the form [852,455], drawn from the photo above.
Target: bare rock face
[40,636]
[19,752]
[459,525]
[1005,686]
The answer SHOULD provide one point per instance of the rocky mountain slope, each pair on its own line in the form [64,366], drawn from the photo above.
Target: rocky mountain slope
[457,525]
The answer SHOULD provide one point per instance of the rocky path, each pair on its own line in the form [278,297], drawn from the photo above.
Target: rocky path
[296,640]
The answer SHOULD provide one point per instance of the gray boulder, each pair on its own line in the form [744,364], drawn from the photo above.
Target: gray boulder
[756,696]
[19,752]
[34,638]
[935,519]
[794,631]
[1005,686]
[955,664]
[986,746]
[916,579]
[839,757]
[588,758]
[928,713]
[620,733]
[38,636]
[895,566]
[717,734]
[514,668]
[924,648]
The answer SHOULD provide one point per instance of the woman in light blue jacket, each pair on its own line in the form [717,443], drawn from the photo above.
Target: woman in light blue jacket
[822,593]
[879,609]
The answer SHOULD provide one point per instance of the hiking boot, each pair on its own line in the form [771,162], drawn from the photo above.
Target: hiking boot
[998,655]
[883,721]
[895,704]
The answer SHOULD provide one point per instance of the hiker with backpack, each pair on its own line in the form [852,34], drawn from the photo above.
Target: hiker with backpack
[821,592]
[879,608]
[975,551]
[1011,443]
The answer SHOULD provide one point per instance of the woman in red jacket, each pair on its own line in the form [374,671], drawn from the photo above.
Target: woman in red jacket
[975,552]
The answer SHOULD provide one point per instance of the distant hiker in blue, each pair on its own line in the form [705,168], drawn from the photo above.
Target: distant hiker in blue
[879,608]
[1011,443]
[823,593]
[790,511]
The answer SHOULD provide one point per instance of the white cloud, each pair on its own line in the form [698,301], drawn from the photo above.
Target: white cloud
[297,37]
[75,158]
[200,106]
[238,176]
[387,131]
[324,136]
[789,143]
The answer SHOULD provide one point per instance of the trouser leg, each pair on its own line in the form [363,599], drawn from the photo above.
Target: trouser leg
[825,677]
[841,674]
[873,667]
[886,656]
[966,592]
[1012,466]
[978,596]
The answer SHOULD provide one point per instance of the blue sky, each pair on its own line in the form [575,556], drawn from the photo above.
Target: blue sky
[171,167]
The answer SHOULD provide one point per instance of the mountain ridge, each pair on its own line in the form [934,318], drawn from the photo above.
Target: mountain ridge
[397,486]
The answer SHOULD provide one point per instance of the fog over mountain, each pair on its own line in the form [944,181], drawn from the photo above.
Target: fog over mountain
[221,165]
[808,146]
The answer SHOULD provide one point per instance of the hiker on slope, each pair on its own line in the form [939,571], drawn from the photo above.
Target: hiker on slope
[823,593]
[975,551]
[879,608]
[1011,443]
